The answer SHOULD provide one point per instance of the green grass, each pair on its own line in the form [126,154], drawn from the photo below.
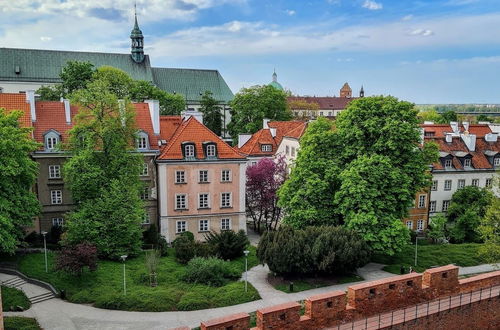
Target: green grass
[431,255]
[11,298]
[104,288]
[20,323]
[312,283]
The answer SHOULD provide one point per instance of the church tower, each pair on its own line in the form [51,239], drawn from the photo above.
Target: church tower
[346,91]
[362,92]
[137,42]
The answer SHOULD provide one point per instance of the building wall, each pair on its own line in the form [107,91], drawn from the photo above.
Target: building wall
[418,213]
[317,113]
[21,86]
[289,147]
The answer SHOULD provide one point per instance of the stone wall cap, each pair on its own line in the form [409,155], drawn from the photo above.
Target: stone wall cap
[388,280]
[326,295]
[225,319]
[277,308]
[481,277]
[441,269]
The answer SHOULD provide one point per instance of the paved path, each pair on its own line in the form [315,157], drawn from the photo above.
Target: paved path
[59,314]
[478,269]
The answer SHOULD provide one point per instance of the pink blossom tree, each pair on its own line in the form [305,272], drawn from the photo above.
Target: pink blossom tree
[263,182]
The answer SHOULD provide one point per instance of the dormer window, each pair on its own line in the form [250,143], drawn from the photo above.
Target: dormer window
[142,141]
[188,150]
[52,138]
[210,149]
[467,162]
[266,148]
[496,161]
[447,163]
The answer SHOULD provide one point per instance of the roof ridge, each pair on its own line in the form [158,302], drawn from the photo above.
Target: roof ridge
[210,70]
[65,51]
[176,135]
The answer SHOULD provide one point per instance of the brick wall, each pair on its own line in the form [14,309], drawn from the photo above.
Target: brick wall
[391,296]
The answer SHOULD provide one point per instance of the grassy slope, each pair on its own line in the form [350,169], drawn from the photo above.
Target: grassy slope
[104,288]
[20,323]
[431,255]
[12,297]
[304,284]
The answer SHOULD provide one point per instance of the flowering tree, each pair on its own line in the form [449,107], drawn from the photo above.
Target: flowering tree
[73,259]
[263,182]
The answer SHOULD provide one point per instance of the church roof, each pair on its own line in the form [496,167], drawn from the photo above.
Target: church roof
[39,65]
[192,82]
[276,85]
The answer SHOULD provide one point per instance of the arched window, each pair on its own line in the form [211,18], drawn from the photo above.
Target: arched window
[189,151]
[142,141]
[51,139]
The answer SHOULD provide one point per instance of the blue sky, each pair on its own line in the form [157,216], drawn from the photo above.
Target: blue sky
[426,51]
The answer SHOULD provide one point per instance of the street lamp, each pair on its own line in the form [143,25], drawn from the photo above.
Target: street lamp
[45,249]
[416,245]
[123,257]
[246,252]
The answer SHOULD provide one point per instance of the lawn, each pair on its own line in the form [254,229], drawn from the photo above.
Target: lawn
[11,298]
[431,255]
[104,288]
[302,284]
[20,323]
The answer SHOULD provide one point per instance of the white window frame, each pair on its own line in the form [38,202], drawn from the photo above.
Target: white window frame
[204,176]
[178,202]
[203,225]
[180,226]
[287,150]
[496,161]
[293,152]
[189,151]
[420,225]
[146,219]
[448,163]
[432,206]
[266,147]
[447,185]
[421,201]
[488,182]
[467,162]
[461,183]
[225,224]
[434,186]
[142,142]
[211,150]
[56,197]
[409,224]
[180,176]
[203,200]
[54,171]
[475,182]
[145,169]
[222,204]
[225,175]
[57,222]
[51,140]
[145,194]
[447,204]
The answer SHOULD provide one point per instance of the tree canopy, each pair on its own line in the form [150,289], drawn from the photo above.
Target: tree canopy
[362,173]
[18,203]
[490,232]
[212,117]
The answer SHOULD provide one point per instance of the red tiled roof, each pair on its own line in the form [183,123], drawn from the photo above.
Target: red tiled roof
[325,102]
[144,123]
[168,126]
[440,129]
[191,130]
[10,101]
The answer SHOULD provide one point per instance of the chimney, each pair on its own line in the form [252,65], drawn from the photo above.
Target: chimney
[30,98]
[67,110]
[466,125]
[192,113]
[469,140]
[428,122]
[273,132]
[154,112]
[449,137]
[121,109]
[491,137]
[265,123]
[242,139]
[422,135]
[454,127]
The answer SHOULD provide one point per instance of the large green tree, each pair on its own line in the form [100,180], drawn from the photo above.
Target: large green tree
[18,203]
[363,173]
[75,75]
[170,104]
[251,105]
[212,116]
[490,232]
[103,172]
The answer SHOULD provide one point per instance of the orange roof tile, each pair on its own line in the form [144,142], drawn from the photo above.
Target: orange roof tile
[10,102]
[144,123]
[168,126]
[191,130]
[439,130]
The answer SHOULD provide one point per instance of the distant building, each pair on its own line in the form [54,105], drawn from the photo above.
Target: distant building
[275,82]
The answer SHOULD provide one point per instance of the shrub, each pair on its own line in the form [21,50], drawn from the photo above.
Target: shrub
[12,298]
[313,250]
[228,245]
[20,322]
[55,234]
[186,248]
[192,301]
[154,240]
[74,259]
[210,271]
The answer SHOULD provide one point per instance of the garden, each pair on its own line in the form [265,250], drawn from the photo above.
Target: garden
[14,300]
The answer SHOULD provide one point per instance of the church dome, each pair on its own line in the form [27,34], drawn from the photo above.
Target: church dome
[275,82]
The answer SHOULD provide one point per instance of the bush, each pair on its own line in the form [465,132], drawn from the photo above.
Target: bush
[228,245]
[154,240]
[12,298]
[186,248]
[313,250]
[20,323]
[210,271]
[73,259]
[191,301]
[55,234]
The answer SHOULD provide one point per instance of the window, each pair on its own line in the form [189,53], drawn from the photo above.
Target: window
[488,183]
[189,151]
[180,177]
[266,147]
[434,185]
[461,183]
[225,199]
[145,219]
[225,224]
[420,225]
[446,204]
[447,184]
[56,197]
[144,171]
[54,171]
[287,148]
[467,162]
[496,161]
[432,206]
[447,163]
[51,141]
[225,176]
[180,202]
[203,201]
[211,151]
[142,142]
[254,163]
[180,226]
[203,225]
[293,152]
[321,113]
[145,194]
[409,224]
[475,182]
[57,222]
[421,201]
[203,176]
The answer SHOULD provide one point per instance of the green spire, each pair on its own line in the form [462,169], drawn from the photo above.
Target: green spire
[137,41]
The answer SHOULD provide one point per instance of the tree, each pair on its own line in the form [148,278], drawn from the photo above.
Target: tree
[304,106]
[73,259]
[483,117]
[430,115]
[51,93]
[212,117]
[490,233]
[251,105]
[18,203]
[263,182]
[448,116]
[437,230]
[227,244]
[76,75]
[363,174]
[467,208]
[170,104]
[103,173]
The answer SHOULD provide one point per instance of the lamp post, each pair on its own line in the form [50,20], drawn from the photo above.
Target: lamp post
[416,246]
[246,252]
[123,257]
[44,233]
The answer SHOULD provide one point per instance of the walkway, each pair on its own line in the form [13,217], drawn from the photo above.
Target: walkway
[59,314]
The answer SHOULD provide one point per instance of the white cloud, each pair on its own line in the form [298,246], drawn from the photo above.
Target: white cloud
[290,12]
[407,18]
[46,38]
[372,5]
[421,32]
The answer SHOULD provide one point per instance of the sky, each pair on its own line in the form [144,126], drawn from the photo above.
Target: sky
[423,51]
